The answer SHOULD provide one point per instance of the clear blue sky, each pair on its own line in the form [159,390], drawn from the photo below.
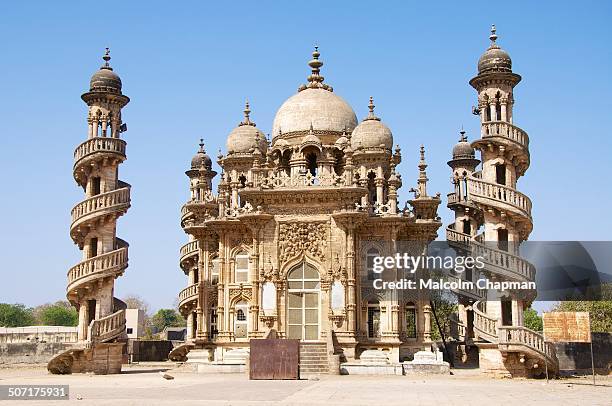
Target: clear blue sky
[188,66]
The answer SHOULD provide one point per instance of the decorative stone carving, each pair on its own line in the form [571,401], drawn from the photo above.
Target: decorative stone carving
[297,238]
[243,292]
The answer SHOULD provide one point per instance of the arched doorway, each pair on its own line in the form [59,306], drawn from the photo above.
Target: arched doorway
[303,302]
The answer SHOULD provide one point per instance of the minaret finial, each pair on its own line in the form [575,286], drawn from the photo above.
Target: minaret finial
[201,145]
[493,36]
[106,58]
[422,181]
[462,132]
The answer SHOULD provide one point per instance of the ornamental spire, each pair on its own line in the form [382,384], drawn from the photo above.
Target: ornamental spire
[463,136]
[106,58]
[422,181]
[371,115]
[493,36]
[201,144]
[315,79]
[247,115]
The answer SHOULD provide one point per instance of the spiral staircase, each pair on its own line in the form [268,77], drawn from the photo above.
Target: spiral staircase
[90,284]
[477,197]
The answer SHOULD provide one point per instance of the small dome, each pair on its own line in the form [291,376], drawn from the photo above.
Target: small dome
[246,137]
[494,58]
[371,133]
[315,105]
[201,158]
[342,141]
[311,139]
[105,80]
[463,149]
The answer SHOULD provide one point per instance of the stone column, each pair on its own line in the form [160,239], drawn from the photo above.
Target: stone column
[427,323]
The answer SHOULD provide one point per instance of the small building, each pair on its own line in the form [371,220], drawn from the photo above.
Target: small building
[174,333]
[134,322]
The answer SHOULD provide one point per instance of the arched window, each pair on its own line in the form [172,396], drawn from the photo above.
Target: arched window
[240,320]
[339,162]
[410,319]
[370,255]
[373,319]
[241,268]
[311,163]
[303,303]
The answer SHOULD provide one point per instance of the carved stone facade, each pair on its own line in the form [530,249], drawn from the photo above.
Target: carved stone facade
[285,242]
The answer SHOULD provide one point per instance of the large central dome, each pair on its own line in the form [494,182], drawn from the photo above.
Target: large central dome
[315,106]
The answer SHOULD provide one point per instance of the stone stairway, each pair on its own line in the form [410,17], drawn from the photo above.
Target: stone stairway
[313,359]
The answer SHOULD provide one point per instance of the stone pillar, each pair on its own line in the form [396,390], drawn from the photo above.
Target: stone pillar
[427,323]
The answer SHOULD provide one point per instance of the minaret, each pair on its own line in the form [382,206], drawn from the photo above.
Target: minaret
[94,220]
[194,259]
[463,165]
[504,150]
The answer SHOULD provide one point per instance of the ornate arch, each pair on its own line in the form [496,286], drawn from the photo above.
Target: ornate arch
[290,264]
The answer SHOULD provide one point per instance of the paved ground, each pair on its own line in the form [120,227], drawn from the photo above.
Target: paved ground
[144,386]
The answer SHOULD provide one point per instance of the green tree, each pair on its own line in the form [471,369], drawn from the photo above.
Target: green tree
[15,315]
[60,313]
[167,318]
[531,320]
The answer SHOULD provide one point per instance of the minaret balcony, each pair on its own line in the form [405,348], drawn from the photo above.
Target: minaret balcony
[115,202]
[111,264]
[505,130]
[99,145]
[189,254]
[188,295]
[500,197]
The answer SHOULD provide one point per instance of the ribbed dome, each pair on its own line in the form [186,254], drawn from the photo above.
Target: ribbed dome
[105,80]
[314,106]
[463,149]
[494,58]
[246,137]
[201,158]
[371,133]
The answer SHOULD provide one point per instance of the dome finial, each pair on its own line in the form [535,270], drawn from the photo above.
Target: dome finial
[106,58]
[201,144]
[493,36]
[463,137]
[371,115]
[315,80]
[247,114]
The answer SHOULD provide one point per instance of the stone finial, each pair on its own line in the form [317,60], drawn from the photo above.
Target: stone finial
[106,59]
[315,79]
[371,115]
[201,144]
[422,181]
[463,136]
[247,115]
[493,36]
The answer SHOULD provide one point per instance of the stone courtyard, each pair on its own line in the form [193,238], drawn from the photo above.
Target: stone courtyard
[144,385]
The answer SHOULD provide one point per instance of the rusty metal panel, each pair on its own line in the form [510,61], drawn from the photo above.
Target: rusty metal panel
[567,327]
[274,359]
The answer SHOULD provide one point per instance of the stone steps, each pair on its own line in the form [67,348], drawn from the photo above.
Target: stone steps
[313,359]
